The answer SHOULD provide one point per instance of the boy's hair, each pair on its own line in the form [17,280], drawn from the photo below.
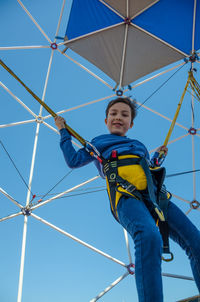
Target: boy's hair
[126,100]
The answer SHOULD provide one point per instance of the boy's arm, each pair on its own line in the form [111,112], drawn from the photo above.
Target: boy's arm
[73,158]
[157,160]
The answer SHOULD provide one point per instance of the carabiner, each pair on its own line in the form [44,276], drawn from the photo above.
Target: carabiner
[168,259]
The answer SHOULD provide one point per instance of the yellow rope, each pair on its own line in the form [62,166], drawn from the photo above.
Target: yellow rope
[195,85]
[176,113]
[75,134]
[196,88]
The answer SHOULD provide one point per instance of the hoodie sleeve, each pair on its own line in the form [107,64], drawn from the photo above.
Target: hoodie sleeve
[73,158]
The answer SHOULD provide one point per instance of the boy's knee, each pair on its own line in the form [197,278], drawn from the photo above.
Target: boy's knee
[152,238]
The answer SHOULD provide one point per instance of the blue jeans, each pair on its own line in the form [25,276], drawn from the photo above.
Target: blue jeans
[137,220]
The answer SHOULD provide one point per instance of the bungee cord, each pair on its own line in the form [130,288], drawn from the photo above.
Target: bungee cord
[157,89]
[13,163]
[51,189]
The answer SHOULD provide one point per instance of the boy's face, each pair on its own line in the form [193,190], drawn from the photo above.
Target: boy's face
[118,120]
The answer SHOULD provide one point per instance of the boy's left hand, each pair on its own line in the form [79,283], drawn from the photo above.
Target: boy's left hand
[162,148]
[60,122]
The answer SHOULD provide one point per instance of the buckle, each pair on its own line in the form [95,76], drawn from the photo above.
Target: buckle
[127,186]
[130,188]
[171,257]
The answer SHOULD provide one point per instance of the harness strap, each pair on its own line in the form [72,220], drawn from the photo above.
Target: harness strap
[125,185]
[151,189]
[164,231]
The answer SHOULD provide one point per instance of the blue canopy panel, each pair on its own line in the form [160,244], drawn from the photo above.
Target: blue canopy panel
[129,42]
[172,22]
[88,16]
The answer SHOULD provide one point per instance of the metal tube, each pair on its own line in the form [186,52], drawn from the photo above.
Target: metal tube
[59,21]
[78,240]
[161,115]
[178,276]
[11,198]
[10,216]
[123,56]
[157,75]
[107,289]
[127,245]
[23,47]
[80,106]
[86,69]
[63,193]
[194,22]
[34,21]
[17,123]
[20,285]
[18,100]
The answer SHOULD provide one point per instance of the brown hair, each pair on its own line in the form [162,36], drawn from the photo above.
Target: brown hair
[126,100]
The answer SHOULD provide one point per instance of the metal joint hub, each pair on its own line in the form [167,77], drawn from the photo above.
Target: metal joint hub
[194,204]
[26,211]
[119,92]
[127,21]
[54,46]
[194,57]
[131,268]
[39,120]
[192,131]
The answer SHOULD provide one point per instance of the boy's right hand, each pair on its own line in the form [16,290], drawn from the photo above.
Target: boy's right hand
[60,122]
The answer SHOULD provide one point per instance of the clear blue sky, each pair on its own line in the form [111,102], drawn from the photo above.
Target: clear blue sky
[56,267]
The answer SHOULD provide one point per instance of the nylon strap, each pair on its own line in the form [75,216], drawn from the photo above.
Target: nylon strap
[195,85]
[176,114]
[150,185]
[196,88]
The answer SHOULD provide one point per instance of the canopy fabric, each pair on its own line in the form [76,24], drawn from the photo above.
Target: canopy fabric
[130,39]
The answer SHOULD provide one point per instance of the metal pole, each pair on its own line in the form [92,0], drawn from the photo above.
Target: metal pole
[78,240]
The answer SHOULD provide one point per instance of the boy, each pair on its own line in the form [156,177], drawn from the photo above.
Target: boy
[130,197]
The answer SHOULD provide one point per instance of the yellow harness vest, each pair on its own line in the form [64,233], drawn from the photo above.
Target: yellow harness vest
[134,174]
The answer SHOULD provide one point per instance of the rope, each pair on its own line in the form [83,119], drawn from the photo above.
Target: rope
[100,189]
[56,185]
[84,193]
[12,161]
[195,85]
[78,190]
[190,81]
[154,92]
[176,113]
[182,173]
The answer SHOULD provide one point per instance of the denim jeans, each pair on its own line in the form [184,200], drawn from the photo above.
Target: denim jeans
[137,220]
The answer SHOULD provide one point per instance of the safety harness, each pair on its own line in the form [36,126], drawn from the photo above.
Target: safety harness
[130,175]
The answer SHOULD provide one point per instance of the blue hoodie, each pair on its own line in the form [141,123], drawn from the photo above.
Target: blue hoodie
[105,144]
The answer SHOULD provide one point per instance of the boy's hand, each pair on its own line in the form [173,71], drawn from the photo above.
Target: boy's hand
[60,122]
[162,148]
[159,156]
